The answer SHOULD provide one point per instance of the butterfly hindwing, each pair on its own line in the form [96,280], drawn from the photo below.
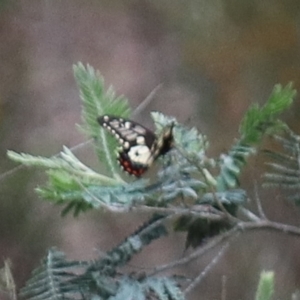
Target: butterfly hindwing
[139,145]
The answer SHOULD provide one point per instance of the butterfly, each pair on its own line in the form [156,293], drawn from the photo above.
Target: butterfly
[140,147]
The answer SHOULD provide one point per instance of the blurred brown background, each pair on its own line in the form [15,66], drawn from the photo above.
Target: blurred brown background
[214,58]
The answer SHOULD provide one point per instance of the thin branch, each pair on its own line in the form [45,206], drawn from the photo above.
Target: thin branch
[10,172]
[224,291]
[249,215]
[223,209]
[261,212]
[207,269]
[198,253]
[265,224]
[174,211]
[180,211]
[146,101]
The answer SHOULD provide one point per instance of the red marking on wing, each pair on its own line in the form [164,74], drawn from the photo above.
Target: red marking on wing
[131,168]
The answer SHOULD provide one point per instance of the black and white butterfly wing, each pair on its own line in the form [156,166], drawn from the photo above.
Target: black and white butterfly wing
[136,153]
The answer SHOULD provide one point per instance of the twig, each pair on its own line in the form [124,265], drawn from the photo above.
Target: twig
[146,101]
[261,212]
[249,214]
[198,279]
[223,292]
[198,253]
[265,224]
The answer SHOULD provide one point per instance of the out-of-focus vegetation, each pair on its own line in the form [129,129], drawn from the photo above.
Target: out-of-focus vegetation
[214,58]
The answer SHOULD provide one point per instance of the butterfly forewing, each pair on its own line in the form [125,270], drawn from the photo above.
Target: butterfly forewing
[128,131]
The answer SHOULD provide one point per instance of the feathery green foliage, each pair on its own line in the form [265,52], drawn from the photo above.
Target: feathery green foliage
[231,166]
[96,102]
[51,280]
[188,174]
[67,164]
[265,288]
[257,122]
[161,288]
[200,229]
[201,191]
[68,179]
[261,120]
[231,199]
[58,278]
[285,166]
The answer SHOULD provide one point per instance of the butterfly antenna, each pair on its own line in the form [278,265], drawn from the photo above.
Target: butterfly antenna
[146,101]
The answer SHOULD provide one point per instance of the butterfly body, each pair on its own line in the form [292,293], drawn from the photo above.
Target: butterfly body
[140,147]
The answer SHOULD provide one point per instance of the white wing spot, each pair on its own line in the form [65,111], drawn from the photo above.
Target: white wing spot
[140,140]
[127,125]
[140,154]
